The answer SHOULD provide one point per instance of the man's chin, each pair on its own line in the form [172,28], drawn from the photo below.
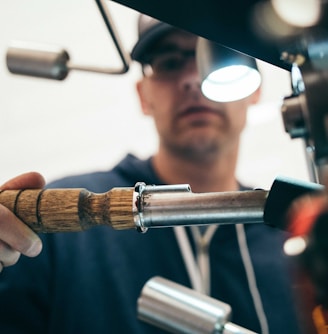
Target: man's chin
[196,148]
[203,135]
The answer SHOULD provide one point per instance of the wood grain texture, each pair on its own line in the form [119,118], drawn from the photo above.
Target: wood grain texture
[70,210]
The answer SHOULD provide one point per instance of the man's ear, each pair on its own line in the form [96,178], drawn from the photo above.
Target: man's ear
[143,97]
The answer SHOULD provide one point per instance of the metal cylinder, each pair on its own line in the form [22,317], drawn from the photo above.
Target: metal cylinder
[46,62]
[230,328]
[178,309]
[186,208]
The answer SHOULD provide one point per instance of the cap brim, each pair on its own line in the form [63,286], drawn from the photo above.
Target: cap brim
[147,40]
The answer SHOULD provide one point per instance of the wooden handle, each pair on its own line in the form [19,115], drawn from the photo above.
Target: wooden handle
[70,210]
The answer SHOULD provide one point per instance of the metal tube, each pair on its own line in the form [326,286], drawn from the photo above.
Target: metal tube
[46,62]
[163,209]
[178,309]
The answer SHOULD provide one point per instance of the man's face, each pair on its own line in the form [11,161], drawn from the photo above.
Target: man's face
[186,121]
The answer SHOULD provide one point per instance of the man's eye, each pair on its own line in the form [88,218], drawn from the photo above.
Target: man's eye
[169,64]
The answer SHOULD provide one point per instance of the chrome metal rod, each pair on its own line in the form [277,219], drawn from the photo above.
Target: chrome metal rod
[172,208]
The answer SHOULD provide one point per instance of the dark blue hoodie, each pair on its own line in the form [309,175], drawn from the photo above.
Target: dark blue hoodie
[89,282]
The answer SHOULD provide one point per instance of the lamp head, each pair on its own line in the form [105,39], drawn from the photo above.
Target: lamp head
[226,75]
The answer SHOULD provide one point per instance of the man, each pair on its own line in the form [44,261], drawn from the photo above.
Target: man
[89,282]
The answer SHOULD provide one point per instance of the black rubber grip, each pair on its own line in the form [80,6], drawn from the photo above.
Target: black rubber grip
[283,192]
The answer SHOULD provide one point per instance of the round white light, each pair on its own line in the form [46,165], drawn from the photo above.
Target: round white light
[295,246]
[299,13]
[231,83]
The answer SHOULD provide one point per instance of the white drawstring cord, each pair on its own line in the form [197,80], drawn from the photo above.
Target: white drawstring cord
[199,273]
[203,261]
[189,260]
[241,236]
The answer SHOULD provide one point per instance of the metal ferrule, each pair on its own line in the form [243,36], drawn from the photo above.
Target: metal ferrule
[145,192]
[175,205]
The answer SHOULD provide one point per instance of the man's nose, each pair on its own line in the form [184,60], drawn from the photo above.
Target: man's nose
[190,78]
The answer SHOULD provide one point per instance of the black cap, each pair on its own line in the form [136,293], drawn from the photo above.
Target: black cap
[150,31]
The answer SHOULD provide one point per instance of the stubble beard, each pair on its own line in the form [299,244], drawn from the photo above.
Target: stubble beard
[200,150]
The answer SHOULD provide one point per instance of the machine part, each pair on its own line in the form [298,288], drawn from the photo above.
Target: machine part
[50,62]
[181,310]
